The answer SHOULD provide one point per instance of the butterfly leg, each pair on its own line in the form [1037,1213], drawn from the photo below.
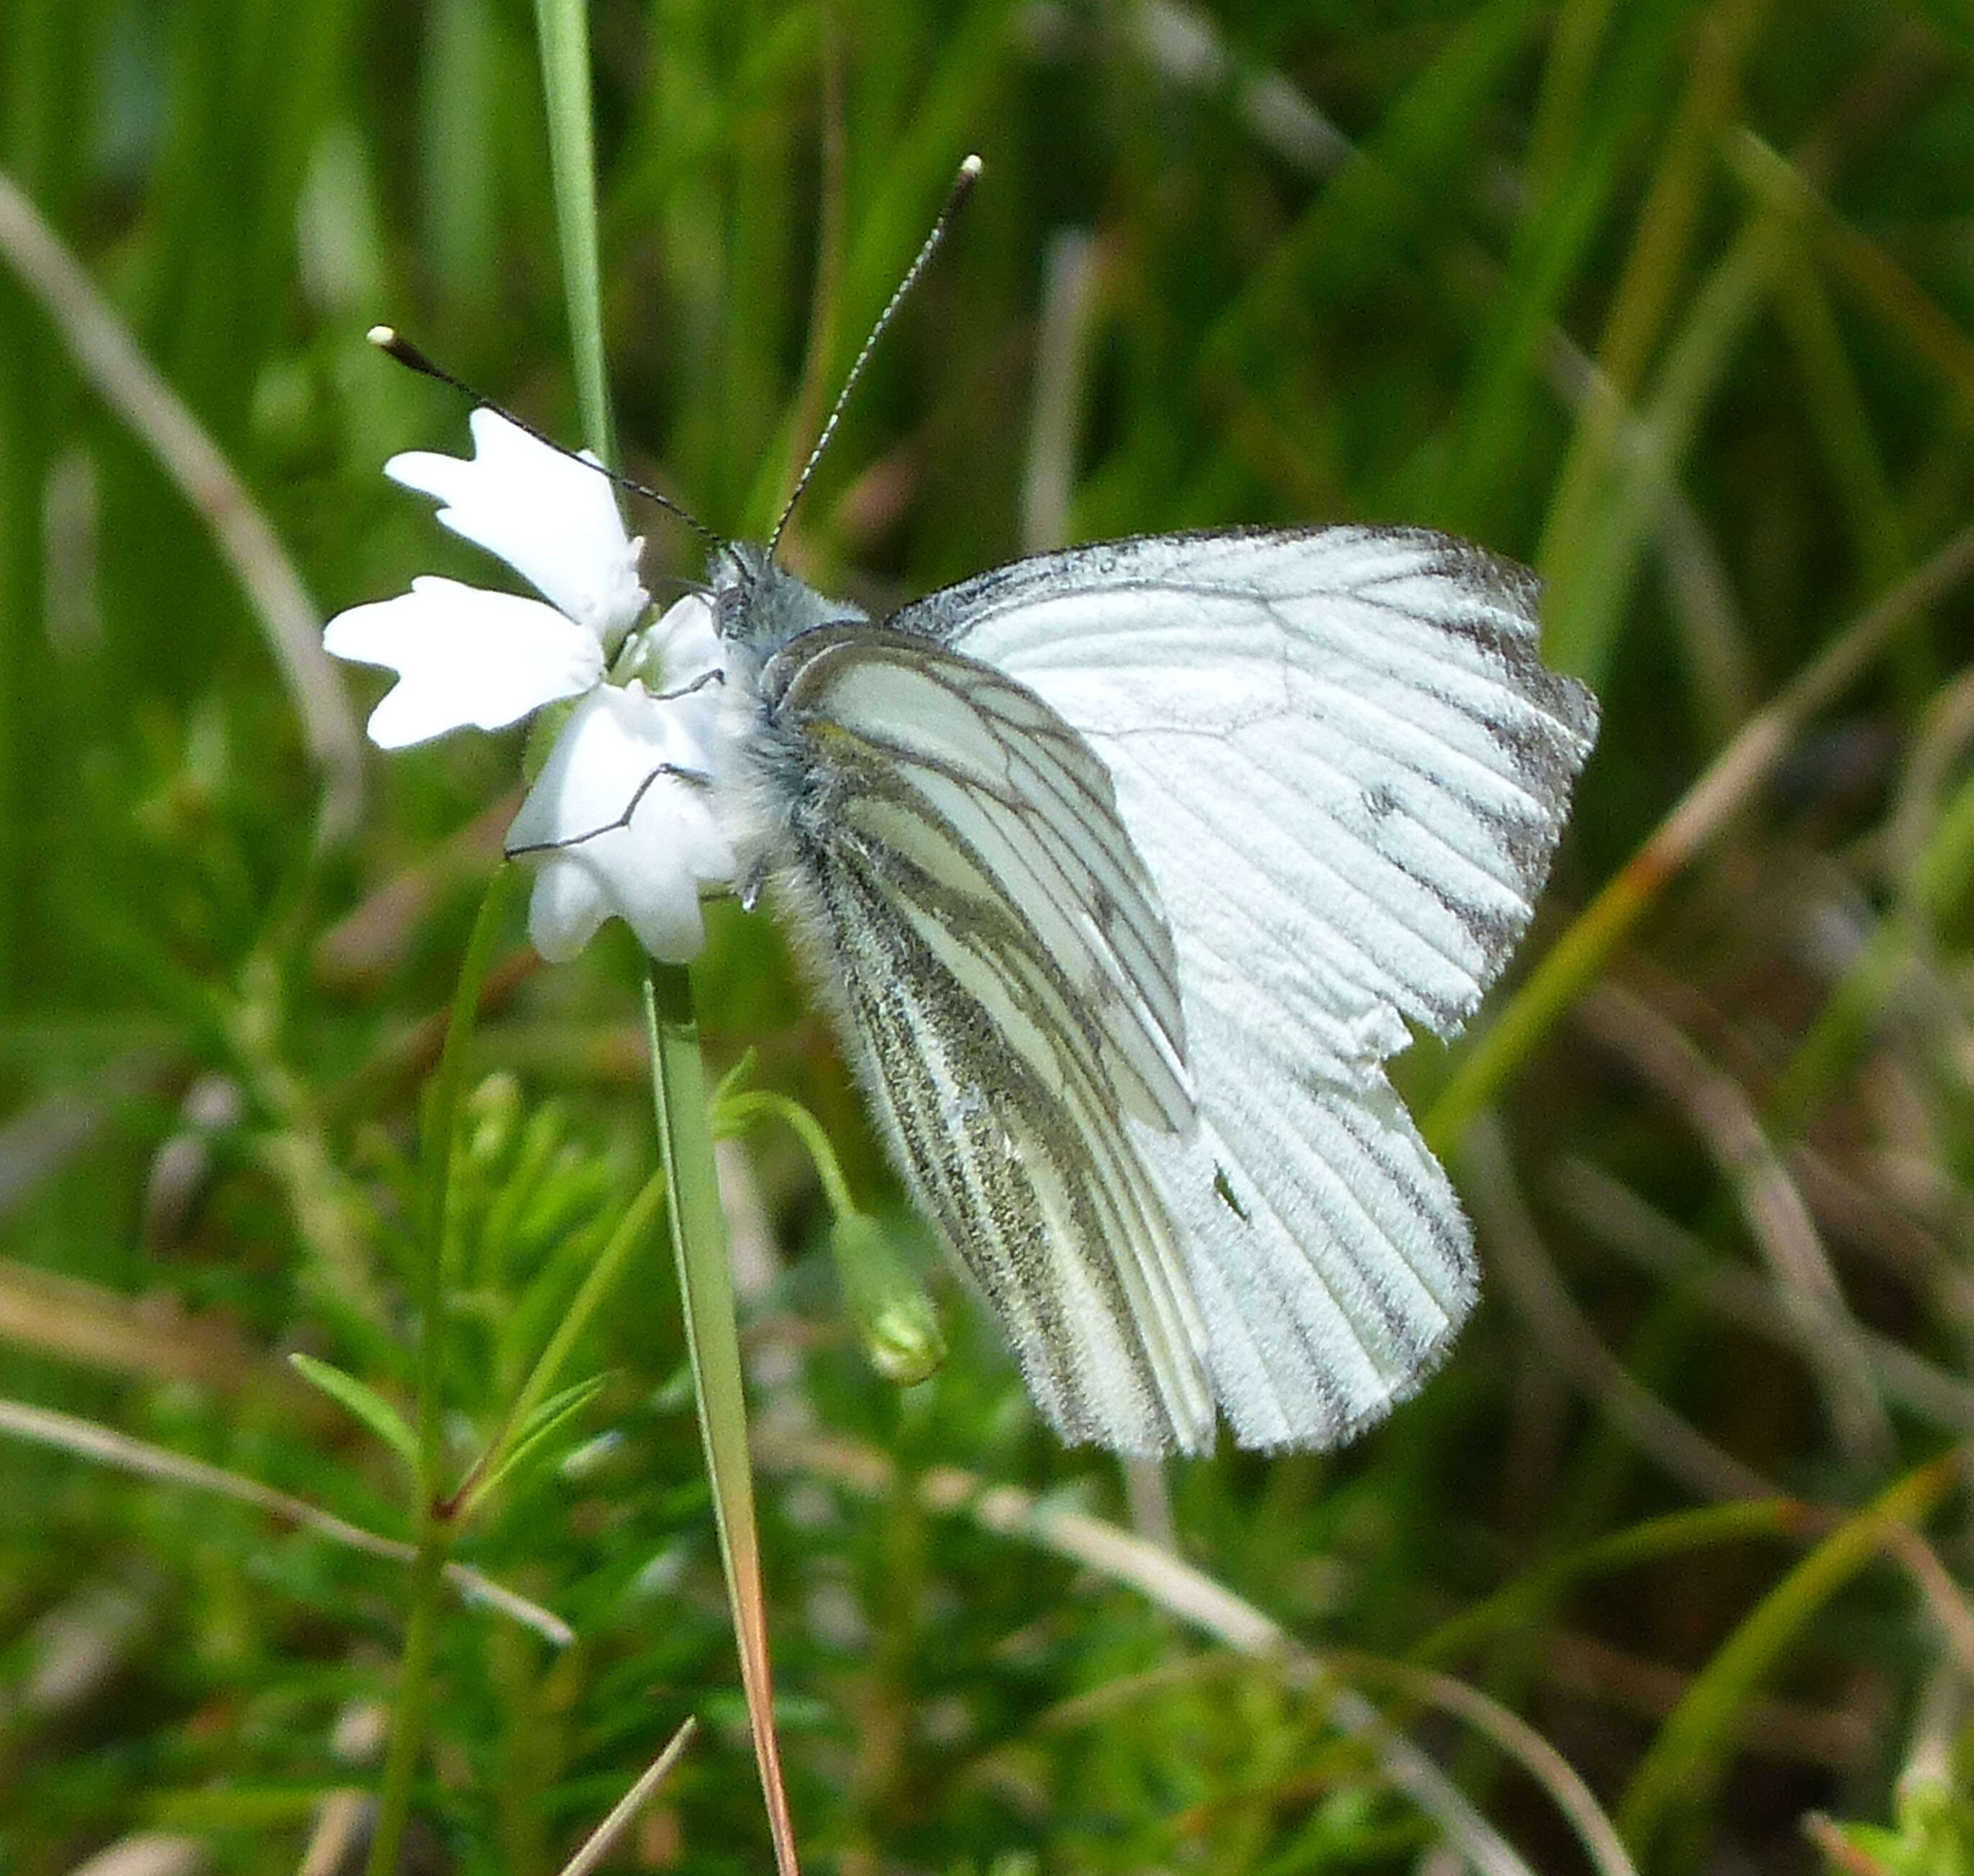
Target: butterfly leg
[698,778]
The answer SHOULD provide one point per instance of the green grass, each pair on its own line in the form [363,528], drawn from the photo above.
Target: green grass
[1674,302]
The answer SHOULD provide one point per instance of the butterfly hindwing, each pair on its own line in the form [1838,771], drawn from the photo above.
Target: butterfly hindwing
[1006,982]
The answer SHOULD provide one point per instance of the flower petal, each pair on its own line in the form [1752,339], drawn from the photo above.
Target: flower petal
[629,838]
[544,513]
[462,655]
[688,641]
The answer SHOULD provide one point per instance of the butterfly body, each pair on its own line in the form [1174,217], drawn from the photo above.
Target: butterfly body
[1122,870]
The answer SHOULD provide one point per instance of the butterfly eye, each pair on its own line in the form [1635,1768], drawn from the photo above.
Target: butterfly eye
[729,610]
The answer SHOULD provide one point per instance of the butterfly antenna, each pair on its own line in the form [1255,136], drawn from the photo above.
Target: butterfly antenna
[393,343]
[962,187]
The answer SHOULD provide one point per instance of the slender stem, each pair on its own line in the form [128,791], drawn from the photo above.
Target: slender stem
[807,1128]
[433,1515]
[441,1139]
[1685,1759]
[706,1290]
[602,1840]
[562,28]
[685,1130]
[105,1445]
[414,1692]
[1522,1604]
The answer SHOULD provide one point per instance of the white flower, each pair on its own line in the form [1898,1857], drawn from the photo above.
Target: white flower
[622,821]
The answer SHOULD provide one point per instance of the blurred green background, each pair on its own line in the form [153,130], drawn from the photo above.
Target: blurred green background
[1674,301]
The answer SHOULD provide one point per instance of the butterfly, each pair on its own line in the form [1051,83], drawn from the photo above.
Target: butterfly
[1123,870]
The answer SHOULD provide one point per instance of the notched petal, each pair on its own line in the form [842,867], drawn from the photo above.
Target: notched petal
[464,656]
[549,516]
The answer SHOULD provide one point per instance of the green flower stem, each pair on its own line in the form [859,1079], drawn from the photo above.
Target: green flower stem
[712,1340]
[433,1520]
[441,1142]
[561,29]
[414,1694]
[685,1127]
[894,1316]
[804,1126]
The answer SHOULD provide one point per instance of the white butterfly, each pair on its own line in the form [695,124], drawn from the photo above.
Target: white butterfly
[1123,870]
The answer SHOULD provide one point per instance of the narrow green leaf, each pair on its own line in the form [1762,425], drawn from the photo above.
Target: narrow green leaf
[559,1405]
[712,1339]
[1687,1758]
[540,1427]
[363,1403]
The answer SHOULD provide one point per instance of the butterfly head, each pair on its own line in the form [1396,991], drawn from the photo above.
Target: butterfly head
[761,605]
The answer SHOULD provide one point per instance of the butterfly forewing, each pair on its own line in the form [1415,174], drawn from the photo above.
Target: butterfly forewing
[954,859]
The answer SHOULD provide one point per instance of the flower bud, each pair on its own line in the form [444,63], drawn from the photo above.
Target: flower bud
[894,1314]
